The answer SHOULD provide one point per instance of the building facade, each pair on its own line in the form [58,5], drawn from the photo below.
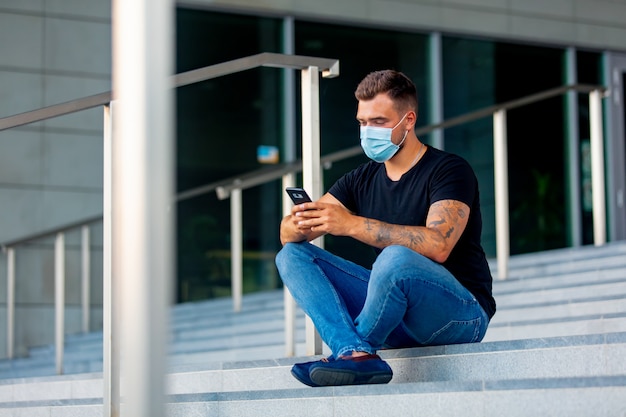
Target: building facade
[463,56]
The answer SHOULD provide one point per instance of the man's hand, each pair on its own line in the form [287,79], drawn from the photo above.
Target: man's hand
[308,221]
[322,218]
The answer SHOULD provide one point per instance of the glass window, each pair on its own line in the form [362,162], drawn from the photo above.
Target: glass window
[469,84]
[589,71]
[220,125]
[481,73]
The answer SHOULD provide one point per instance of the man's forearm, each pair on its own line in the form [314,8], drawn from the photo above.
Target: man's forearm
[428,242]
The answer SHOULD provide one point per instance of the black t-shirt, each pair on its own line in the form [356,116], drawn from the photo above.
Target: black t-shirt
[367,191]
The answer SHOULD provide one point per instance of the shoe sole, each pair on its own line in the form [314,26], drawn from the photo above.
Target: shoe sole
[333,377]
[304,380]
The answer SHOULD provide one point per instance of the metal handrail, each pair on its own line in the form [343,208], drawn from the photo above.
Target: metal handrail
[269,173]
[51,232]
[266,59]
[274,172]
[266,174]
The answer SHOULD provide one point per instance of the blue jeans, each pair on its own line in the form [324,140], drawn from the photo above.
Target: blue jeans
[406,300]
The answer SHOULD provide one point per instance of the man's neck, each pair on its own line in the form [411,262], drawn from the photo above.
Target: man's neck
[407,157]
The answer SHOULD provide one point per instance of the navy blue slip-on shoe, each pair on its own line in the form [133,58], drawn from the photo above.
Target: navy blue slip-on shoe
[300,371]
[369,369]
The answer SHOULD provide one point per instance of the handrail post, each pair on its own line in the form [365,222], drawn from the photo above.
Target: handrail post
[501,182]
[236,245]
[597,168]
[311,170]
[85,275]
[289,180]
[110,298]
[10,302]
[59,300]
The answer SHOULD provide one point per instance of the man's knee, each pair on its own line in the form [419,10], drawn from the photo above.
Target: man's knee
[289,254]
[283,255]
[394,256]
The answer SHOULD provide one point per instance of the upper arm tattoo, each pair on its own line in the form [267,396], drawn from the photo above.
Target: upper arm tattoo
[449,217]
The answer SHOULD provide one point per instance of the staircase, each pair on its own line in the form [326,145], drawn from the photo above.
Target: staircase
[556,347]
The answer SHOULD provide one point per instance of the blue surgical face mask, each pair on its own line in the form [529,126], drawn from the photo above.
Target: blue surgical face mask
[376,142]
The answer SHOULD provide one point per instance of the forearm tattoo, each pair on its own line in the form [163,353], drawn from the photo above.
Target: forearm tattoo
[445,223]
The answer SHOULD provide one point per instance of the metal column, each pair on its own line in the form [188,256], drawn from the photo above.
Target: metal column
[110,299]
[143,208]
[435,93]
[85,276]
[10,302]
[311,170]
[501,180]
[236,247]
[289,180]
[597,168]
[572,204]
[59,301]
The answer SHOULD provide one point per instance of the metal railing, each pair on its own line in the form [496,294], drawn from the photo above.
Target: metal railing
[10,247]
[224,188]
[310,166]
[310,68]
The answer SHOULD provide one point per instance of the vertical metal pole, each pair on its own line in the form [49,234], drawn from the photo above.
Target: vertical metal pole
[574,209]
[143,189]
[110,299]
[59,300]
[501,179]
[289,94]
[597,168]
[236,247]
[435,96]
[311,171]
[289,180]
[85,275]
[10,302]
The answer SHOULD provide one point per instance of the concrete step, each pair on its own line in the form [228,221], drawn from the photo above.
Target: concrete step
[582,304]
[587,370]
[578,293]
[559,261]
[557,357]
[574,279]
[580,397]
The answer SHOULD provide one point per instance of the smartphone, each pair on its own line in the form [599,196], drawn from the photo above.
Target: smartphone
[298,195]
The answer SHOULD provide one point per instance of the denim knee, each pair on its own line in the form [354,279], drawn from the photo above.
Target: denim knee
[393,252]
[288,250]
[395,257]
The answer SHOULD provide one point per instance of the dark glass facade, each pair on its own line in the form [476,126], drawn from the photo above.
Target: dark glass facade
[222,123]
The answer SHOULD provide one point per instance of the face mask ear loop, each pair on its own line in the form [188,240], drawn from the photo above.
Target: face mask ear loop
[398,124]
[406,132]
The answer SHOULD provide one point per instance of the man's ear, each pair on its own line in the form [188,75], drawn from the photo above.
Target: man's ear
[411,118]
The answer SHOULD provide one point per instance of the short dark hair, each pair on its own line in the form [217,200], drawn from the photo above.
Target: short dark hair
[395,84]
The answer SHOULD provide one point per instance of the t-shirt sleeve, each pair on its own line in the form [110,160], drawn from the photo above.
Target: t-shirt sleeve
[345,188]
[453,180]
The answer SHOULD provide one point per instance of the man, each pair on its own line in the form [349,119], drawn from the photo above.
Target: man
[419,208]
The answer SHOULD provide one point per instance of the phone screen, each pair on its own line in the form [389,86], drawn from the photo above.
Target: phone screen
[298,195]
